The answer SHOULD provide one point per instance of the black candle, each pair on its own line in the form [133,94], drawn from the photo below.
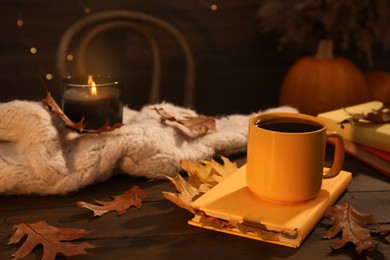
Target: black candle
[97,100]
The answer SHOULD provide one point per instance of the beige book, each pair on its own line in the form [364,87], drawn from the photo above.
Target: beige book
[373,135]
[249,216]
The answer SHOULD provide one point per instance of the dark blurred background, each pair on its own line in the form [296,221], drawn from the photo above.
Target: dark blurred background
[238,68]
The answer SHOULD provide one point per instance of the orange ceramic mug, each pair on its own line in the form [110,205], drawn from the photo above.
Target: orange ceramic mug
[285,156]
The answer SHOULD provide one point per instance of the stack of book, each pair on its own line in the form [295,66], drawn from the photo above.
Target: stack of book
[369,142]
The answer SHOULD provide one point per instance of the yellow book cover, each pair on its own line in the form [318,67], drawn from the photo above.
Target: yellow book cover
[373,135]
[251,217]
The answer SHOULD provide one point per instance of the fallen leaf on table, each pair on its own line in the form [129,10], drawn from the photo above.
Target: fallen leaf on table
[51,238]
[120,204]
[55,109]
[379,116]
[352,224]
[201,178]
[198,125]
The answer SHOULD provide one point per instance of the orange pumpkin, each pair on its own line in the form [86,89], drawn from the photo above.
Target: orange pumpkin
[378,83]
[321,83]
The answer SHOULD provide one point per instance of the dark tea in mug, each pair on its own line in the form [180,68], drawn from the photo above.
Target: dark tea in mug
[285,156]
[288,125]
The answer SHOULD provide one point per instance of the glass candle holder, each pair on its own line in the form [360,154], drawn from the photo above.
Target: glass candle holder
[97,99]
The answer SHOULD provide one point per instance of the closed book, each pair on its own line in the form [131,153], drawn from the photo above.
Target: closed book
[377,159]
[247,215]
[370,134]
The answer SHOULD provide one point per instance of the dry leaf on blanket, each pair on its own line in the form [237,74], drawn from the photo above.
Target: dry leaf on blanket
[53,107]
[201,178]
[53,239]
[120,204]
[199,125]
[352,223]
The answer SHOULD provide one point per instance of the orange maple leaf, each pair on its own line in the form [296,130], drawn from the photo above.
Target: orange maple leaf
[120,204]
[51,238]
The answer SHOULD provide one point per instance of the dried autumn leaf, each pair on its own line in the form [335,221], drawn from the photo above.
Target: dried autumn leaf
[210,172]
[352,224]
[106,127]
[55,109]
[120,204]
[378,116]
[202,177]
[51,238]
[234,225]
[214,222]
[186,195]
[198,125]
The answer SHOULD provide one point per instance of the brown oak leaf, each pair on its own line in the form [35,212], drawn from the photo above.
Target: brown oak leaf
[53,240]
[132,197]
[198,125]
[378,116]
[352,224]
[55,109]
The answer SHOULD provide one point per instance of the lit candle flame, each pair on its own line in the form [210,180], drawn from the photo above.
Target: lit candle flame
[93,85]
[93,89]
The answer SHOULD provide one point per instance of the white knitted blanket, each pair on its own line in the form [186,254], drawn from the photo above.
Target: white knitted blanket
[38,155]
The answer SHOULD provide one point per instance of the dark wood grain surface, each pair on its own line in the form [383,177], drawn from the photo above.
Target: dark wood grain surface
[159,229]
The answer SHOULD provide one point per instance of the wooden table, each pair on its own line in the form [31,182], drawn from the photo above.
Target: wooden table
[159,229]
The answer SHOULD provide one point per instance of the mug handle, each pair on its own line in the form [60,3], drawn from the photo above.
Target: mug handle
[338,156]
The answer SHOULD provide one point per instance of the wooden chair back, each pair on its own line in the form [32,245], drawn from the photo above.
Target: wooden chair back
[98,23]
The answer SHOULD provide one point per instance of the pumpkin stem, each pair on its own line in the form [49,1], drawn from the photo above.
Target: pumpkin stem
[325,50]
